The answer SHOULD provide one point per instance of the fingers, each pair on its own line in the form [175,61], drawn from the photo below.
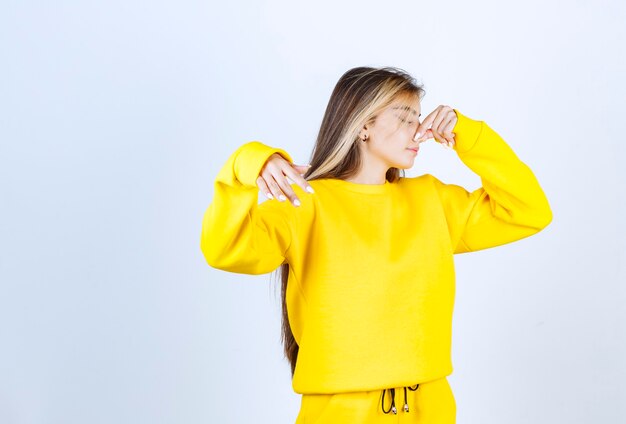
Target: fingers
[448,134]
[436,126]
[445,128]
[260,182]
[302,168]
[426,136]
[439,125]
[275,177]
[423,128]
[286,188]
[297,178]
[268,185]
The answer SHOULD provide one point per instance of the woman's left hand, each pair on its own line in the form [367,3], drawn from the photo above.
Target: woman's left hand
[443,119]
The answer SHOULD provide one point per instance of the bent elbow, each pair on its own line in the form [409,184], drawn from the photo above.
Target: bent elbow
[547,217]
[542,218]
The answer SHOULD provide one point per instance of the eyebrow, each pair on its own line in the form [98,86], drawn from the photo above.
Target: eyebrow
[407,108]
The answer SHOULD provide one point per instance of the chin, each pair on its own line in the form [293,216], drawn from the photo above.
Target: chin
[403,166]
[401,163]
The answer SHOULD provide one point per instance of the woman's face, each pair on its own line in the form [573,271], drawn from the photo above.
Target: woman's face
[390,138]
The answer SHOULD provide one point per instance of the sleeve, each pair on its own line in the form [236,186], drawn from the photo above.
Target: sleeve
[509,206]
[239,235]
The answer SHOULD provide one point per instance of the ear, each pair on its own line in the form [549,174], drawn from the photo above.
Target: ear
[364,131]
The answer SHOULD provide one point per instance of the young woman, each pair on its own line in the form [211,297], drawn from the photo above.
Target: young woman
[365,253]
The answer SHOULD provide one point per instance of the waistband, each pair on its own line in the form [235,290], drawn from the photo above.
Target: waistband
[393,399]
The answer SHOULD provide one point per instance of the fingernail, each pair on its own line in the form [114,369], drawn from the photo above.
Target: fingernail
[296,202]
[310,189]
[269,195]
[282,197]
[418,135]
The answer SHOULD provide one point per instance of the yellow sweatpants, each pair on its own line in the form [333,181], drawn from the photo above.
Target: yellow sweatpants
[432,403]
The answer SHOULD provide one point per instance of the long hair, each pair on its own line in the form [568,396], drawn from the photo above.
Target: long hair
[359,95]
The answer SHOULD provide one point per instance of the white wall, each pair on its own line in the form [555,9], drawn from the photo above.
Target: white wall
[116,116]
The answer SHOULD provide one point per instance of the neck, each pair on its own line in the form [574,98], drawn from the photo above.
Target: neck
[370,174]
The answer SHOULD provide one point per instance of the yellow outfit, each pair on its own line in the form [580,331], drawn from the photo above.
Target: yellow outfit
[432,403]
[371,285]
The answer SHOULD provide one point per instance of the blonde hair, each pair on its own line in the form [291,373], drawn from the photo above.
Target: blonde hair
[359,95]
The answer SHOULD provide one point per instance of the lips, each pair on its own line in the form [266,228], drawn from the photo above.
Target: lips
[415,150]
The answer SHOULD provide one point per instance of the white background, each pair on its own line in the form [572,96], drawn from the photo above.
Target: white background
[115,117]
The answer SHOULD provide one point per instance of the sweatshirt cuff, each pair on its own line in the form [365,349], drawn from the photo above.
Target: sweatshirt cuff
[466,132]
[251,159]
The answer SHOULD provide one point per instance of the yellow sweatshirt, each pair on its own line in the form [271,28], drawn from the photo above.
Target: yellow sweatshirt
[371,286]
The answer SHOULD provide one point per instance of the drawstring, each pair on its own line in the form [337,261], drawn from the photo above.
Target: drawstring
[393,400]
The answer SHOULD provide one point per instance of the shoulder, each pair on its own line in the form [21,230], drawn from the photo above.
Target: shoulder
[426,186]
[420,180]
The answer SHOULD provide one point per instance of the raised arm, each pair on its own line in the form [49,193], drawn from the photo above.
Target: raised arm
[238,234]
[509,206]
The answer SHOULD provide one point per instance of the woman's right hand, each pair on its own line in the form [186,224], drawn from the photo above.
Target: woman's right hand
[272,180]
